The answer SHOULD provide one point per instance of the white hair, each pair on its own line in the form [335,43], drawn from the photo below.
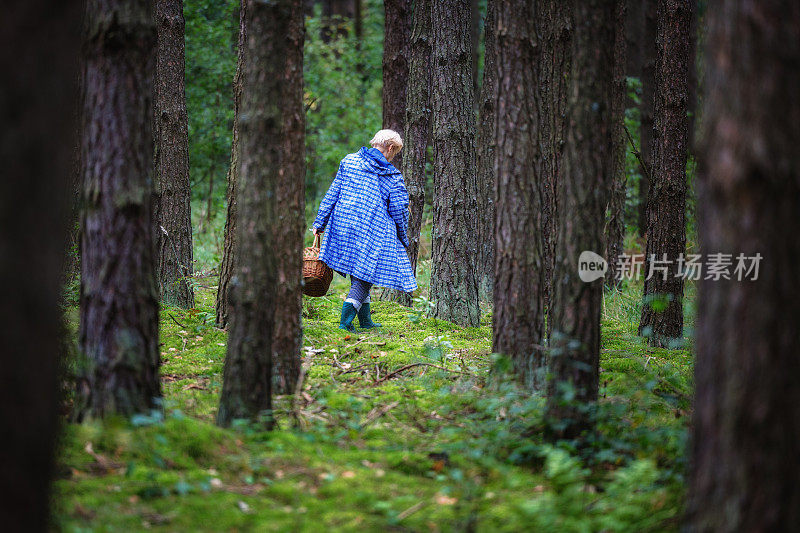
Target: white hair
[387,139]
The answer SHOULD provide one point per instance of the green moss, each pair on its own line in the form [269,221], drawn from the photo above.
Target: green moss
[428,447]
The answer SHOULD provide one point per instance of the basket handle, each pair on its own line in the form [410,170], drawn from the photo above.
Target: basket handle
[317,238]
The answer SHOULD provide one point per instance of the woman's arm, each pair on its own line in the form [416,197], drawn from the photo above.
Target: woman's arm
[328,202]
[398,209]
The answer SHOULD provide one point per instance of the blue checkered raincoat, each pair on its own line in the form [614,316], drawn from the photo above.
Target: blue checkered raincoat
[365,212]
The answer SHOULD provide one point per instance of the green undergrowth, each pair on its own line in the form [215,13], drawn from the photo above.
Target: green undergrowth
[413,427]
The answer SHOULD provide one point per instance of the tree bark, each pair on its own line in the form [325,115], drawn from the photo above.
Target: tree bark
[649,56]
[747,403]
[575,316]
[522,126]
[559,58]
[417,132]
[271,130]
[289,223]
[615,225]
[228,265]
[666,225]
[634,37]
[174,219]
[475,39]
[119,295]
[486,146]
[454,284]
[396,52]
[39,44]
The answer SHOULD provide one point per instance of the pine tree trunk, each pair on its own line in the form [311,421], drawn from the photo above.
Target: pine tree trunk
[649,57]
[119,294]
[575,316]
[228,264]
[454,284]
[174,219]
[396,52]
[634,37]
[666,225]
[271,127]
[475,39]
[41,43]
[747,402]
[559,58]
[417,132]
[693,81]
[289,223]
[615,225]
[522,122]
[486,146]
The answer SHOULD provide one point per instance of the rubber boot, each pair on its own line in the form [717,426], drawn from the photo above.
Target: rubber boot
[348,314]
[365,317]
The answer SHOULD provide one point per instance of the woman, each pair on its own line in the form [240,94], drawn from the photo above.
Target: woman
[366,214]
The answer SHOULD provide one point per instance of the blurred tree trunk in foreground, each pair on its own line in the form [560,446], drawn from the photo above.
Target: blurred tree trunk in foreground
[615,225]
[747,402]
[119,294]
[662,312]
[582,194]
[272,165]
[649,58]
[39,45]
[454,285]
[417,132]
[522,125]
[228,264]
[289,223]
[174,218]
[486,143]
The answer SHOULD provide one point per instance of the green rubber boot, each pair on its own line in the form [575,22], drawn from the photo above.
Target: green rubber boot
[348,314]
[365,317]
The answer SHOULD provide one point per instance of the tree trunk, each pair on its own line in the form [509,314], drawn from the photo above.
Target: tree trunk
[522,125]
[289,222]
[649,58]
[486,146]
[119,294]
[559,17]
[174,219]
[666,225]
[271,130]
[40,43]
[747,403]
[454,284]
[691,104]
[475,39]
[634,37]
[417,132]
[575,316]
[228,265]
[615,225]
[396,52]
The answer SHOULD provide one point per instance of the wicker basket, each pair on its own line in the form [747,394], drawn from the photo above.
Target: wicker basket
[317,276]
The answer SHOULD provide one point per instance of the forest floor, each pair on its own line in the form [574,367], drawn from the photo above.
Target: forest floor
[371,443]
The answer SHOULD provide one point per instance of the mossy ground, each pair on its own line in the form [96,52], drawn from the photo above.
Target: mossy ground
[427,449]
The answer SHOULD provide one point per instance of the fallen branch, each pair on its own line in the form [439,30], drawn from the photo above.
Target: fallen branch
[297,395]
[411,510]
[412,365]
[376,414]
[176,321]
